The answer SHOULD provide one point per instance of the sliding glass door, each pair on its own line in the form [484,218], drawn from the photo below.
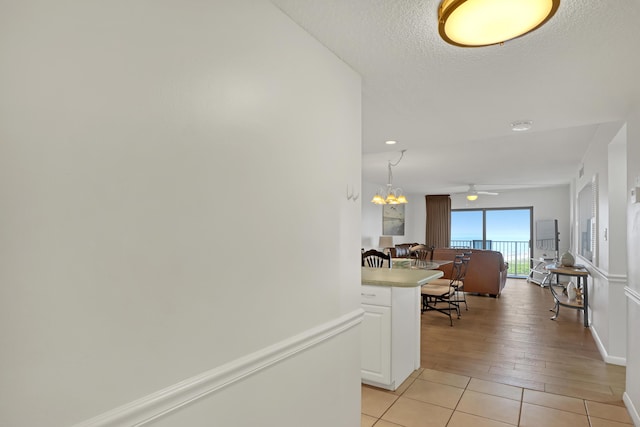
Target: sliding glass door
[467,228]
[503,230]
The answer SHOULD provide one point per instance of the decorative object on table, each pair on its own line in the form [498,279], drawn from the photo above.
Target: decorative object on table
[571,291]
[567,260]
[578,295]
[401,262]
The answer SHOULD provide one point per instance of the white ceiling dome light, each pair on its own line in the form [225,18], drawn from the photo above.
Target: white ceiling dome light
[475,23]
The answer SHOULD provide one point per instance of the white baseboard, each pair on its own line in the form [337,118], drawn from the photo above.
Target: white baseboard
[611,279]
[633,411]
[614,360]
[163,402]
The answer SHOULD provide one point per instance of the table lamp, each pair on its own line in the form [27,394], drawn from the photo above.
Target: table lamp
[385,242]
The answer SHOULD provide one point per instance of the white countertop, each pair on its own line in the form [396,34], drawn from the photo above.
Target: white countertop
[402,277]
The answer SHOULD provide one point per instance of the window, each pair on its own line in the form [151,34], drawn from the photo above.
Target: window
[504,230]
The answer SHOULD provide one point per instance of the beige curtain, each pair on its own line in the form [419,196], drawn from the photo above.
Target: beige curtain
[438,230]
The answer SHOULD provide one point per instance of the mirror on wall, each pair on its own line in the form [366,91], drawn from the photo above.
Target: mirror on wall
[587,218]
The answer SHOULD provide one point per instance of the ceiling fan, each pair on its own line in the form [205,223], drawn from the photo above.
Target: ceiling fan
[472,193]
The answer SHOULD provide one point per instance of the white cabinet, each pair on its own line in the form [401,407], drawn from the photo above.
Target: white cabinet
[376,344]
[390,334]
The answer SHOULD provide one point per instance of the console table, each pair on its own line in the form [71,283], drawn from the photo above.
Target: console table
[581,275]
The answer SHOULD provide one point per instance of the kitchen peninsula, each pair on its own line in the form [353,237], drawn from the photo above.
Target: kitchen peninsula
[391,325]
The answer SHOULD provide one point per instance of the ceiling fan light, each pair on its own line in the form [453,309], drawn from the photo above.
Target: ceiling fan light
[472,197]
[474,23]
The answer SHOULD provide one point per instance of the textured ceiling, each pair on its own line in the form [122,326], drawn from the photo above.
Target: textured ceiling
[451,107]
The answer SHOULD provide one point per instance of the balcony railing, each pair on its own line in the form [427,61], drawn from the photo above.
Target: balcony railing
[516,253]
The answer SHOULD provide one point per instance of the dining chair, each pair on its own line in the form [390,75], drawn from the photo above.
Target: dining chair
[443,291]
[374,258]
[422,255]
[460,297]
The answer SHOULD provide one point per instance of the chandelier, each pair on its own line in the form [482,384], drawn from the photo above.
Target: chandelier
[473,23]
[390,195]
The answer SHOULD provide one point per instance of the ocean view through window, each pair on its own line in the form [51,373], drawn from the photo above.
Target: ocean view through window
[506,230]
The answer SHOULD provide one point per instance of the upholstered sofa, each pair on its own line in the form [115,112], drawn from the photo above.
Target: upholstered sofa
[486,272]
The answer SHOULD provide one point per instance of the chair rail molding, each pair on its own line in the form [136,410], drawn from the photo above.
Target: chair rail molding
[617,280]
[632,294]
[156,405]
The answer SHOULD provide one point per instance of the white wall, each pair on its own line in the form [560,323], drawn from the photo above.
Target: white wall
[614,238]
[596,162]
[372,218]
[604,160]
[632,393]
[618,196]
[164,168]
[548,203]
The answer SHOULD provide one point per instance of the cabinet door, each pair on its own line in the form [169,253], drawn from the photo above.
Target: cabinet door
[376,344]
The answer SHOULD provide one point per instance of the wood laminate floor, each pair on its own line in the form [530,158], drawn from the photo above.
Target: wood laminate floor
[505,363]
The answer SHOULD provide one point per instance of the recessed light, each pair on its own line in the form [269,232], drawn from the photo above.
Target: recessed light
[521,126]
[390,142]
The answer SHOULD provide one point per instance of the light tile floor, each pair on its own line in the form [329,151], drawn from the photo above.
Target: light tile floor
[431,398]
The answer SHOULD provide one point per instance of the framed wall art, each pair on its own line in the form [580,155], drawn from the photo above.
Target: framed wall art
[393,220]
